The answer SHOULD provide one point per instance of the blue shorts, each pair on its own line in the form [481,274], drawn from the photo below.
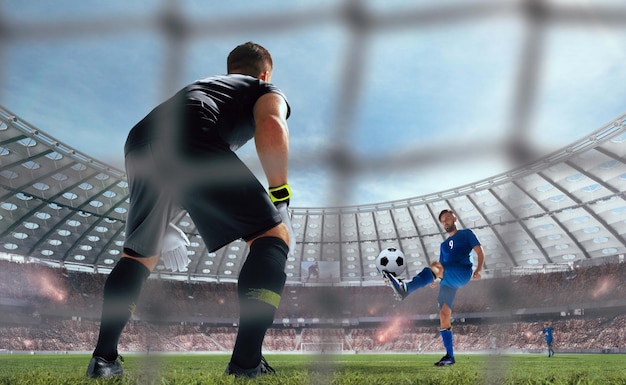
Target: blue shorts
[453,279]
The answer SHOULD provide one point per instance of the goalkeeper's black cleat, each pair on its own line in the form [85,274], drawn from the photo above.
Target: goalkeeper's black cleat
[262,369]
[101,368]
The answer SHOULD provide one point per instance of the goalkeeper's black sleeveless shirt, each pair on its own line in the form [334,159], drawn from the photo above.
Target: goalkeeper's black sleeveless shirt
[217,108]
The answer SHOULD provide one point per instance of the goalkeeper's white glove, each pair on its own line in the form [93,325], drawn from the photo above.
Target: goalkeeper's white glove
[280,197]
[174,249]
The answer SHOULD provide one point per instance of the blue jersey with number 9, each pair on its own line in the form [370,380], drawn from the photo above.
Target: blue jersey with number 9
[456,251]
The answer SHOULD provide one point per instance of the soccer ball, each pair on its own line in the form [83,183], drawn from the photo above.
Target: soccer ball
[391,260]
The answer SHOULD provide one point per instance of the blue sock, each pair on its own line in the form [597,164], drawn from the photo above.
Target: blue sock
[446,337]
[423,278]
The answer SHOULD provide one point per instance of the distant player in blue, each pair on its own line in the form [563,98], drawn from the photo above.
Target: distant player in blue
[455,260]
[547,333]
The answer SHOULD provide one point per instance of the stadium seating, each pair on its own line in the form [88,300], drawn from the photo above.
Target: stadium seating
[46,308]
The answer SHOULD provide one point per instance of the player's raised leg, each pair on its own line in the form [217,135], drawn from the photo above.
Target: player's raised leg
[427,276]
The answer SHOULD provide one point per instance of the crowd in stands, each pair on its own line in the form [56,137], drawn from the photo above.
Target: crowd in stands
[45,308]
[581,334]
[43,287]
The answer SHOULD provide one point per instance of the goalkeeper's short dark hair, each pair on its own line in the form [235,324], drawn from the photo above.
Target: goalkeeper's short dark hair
[249,59]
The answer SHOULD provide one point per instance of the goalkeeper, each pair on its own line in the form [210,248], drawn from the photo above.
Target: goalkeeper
[181,157]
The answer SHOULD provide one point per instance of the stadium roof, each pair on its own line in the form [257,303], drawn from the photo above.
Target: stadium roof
[61,207]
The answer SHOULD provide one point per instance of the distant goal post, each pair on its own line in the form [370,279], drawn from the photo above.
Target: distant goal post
[322,347]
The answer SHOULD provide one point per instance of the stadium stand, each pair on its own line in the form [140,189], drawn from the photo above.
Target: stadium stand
[52,309]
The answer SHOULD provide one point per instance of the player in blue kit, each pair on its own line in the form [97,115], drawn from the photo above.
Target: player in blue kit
[454,270]
[547,333]
[181,157]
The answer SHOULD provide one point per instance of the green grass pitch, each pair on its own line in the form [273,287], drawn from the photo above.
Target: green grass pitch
[346,369]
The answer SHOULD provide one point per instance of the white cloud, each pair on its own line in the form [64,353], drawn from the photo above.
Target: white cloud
[422,88]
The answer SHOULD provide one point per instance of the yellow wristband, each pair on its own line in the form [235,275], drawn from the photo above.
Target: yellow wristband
[280,193]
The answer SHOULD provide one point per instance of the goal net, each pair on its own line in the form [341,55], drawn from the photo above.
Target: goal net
[322,347]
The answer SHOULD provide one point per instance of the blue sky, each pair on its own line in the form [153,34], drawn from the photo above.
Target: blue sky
[443,90]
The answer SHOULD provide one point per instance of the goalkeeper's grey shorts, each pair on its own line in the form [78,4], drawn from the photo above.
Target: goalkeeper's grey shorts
[222,196]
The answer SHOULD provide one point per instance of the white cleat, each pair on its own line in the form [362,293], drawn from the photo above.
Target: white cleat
[399,287]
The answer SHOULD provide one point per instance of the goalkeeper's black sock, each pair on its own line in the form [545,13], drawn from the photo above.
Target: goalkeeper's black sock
[260,285]
[121,290]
